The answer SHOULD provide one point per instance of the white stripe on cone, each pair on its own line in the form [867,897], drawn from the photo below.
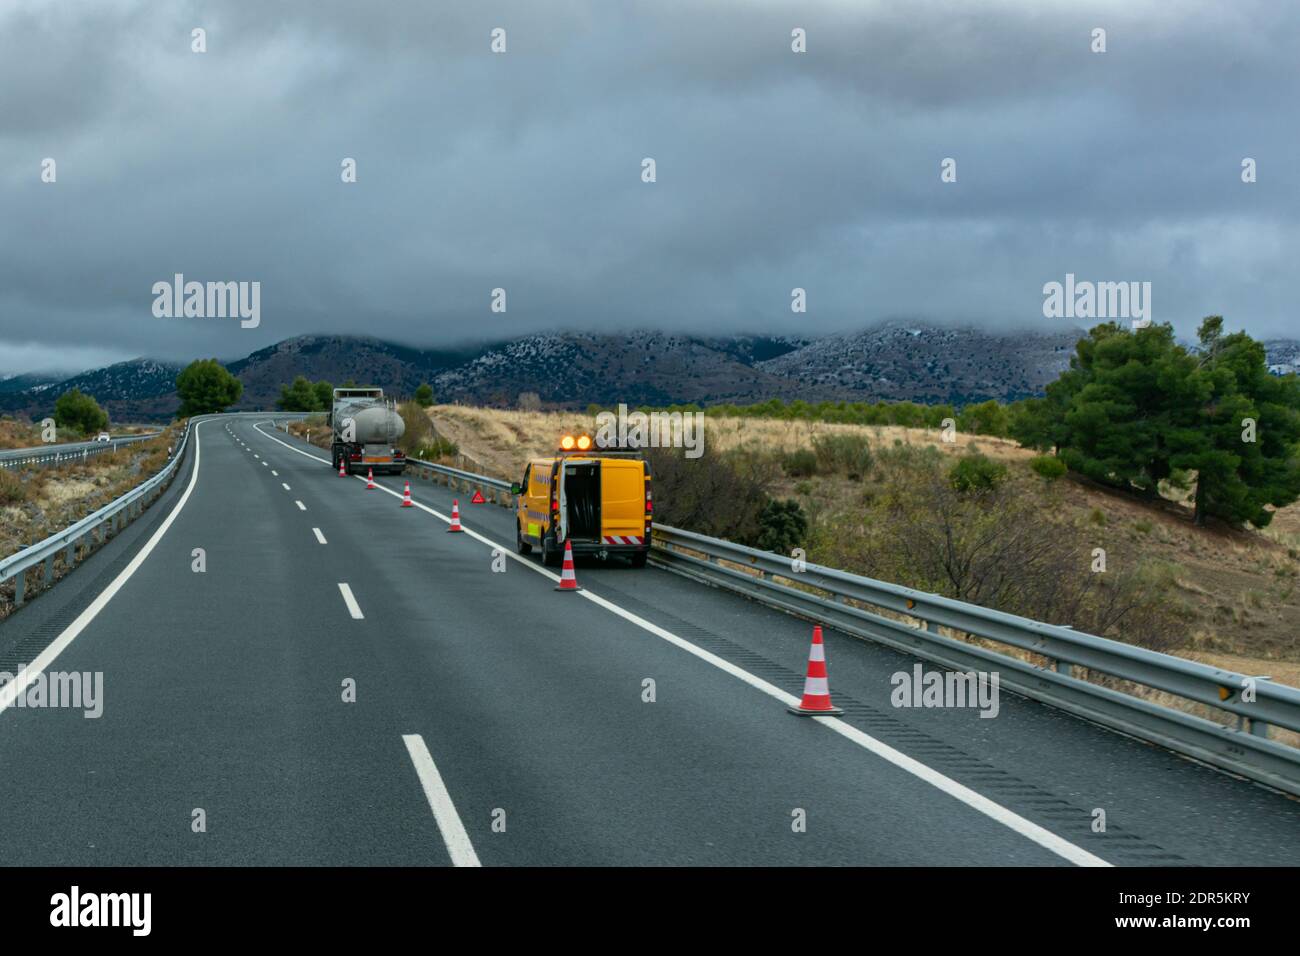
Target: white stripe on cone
[816,686]
[568,580]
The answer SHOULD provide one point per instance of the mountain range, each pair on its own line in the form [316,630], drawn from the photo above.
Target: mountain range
[575,369]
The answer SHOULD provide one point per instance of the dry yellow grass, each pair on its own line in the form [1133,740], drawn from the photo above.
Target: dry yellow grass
[502,441]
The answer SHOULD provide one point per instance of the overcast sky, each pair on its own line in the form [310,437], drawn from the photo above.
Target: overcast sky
[523,170]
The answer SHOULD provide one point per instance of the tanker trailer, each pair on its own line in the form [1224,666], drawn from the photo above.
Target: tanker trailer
[366,427]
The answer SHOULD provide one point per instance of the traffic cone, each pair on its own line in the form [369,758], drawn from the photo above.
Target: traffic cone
[342,473]
[455,516]
[406,496]
[816,689]
[568,581]
[370,478]
[478,498]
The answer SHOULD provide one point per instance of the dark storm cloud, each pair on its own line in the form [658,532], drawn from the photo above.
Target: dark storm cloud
[523,171]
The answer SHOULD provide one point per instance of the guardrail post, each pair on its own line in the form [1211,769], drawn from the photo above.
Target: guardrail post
[1258,728]
[70,554]
[1063,667]
[20,582]
[49,570]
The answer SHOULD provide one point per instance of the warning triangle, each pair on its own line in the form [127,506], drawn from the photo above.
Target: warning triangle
[478,498]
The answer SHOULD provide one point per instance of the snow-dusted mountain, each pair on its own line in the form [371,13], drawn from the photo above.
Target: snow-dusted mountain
[575,369]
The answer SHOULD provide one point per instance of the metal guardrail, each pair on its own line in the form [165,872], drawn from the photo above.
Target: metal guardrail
[837,598]
[113,515]
[14,458]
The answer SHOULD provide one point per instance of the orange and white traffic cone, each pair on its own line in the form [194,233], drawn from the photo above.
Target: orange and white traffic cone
[455,516]
[816,688]
[406,496]
[568,580]
[342,473]
[370,478]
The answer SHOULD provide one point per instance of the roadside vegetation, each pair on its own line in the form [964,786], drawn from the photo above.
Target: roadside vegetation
[979,518]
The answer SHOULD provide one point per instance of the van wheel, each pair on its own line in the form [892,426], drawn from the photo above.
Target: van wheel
[522,546]
[638,558]
[552,556]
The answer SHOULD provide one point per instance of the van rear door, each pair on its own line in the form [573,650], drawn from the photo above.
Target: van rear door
[622,501]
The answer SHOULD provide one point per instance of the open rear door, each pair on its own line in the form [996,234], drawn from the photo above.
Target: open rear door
[622,501]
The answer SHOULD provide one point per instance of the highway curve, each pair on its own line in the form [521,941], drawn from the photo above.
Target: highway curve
[499,722]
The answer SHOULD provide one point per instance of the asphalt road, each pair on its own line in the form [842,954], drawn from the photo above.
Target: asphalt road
[499,722]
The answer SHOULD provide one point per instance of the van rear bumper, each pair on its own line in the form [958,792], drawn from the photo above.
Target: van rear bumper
[588,546]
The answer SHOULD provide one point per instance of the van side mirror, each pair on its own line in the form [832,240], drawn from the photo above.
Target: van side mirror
[514,488]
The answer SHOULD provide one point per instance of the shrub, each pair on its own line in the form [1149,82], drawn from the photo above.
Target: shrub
[79,412]
[424,395]
[437,448]
[976,473]
[717,494]
[1048,467]
[206,386]
[843,452]
[801,463]
[13,490]
[782,526]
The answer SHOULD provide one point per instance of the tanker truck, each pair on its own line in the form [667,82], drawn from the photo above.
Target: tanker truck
[366,427]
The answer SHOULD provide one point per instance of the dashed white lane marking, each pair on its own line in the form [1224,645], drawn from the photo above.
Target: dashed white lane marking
[284,486]
[453,832]
[353,607]
[319,537]
[976,801]
[301,506]
[275,473]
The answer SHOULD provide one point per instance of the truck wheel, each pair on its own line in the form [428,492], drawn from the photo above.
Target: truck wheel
[552,556]
[522,546]
[638,558]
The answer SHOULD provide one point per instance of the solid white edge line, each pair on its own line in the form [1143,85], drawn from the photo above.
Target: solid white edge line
[995,811]
[459,847]
[353,607]
[10,691]
[319,537]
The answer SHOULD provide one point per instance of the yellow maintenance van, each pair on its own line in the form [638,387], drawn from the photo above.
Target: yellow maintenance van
[598,501]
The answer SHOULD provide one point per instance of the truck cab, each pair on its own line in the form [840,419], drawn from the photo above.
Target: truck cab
[598,502]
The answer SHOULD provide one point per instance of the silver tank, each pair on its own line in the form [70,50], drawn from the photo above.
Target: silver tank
[375,424]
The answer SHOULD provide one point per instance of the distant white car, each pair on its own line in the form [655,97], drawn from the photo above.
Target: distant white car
[103,436]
